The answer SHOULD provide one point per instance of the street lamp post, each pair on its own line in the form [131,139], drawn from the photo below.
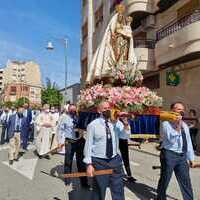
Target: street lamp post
[65,44]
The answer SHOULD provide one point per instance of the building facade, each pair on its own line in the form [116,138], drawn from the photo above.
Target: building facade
[22,79]
[166,41]
[1,81]
[71,93]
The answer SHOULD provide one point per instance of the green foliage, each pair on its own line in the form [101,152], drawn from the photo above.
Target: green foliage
[21,101]
[51,94]
[8,104]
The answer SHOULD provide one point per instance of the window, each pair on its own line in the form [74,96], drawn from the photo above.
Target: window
[25,88]
[84,2]
[152,82]
[99,16]
[188,8]
[13,90]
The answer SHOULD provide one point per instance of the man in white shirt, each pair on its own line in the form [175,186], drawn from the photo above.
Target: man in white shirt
[102,152]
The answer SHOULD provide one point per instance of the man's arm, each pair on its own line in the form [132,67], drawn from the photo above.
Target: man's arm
[123,128]
[190,150]
[88,150]
[88,145]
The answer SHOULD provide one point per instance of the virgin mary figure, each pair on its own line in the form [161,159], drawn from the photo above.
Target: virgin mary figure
[115,48]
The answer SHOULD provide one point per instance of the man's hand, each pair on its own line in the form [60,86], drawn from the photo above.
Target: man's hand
[192,164]
[90,170]
[125,122]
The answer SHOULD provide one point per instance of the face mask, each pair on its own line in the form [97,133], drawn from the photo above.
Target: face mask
[46,110]
[106,114]
[72,113]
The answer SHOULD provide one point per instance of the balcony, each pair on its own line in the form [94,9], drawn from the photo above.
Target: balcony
[179,40]
[144,50]
[133,6]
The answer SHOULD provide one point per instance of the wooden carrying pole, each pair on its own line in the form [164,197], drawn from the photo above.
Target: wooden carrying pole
[81,174]
[196,165]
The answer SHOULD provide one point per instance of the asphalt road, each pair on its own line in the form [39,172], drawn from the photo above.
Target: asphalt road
[35,179]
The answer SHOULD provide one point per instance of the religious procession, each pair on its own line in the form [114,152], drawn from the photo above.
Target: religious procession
[114,113]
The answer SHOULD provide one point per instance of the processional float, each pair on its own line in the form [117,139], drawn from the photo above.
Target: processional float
[114,77]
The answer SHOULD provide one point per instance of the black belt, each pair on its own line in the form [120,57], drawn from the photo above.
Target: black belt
[69,140]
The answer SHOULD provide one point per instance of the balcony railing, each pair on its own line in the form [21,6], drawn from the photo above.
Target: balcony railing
[178,25]
[142,43]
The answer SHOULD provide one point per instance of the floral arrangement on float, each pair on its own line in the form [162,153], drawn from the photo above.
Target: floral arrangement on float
[126,98]
[115,79]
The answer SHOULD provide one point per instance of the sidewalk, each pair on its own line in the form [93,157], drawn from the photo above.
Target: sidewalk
[150,148]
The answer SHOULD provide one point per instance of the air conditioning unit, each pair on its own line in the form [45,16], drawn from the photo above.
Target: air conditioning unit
[149,22]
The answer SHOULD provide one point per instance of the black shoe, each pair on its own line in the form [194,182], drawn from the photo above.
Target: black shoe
[25,149]
[17,159]
[131,179]
[10,162]
[47,157]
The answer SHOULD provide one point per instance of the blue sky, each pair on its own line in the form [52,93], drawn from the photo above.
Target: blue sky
[27,25]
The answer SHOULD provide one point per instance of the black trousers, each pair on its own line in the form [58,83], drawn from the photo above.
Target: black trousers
[70,149]
[114,181]
[123,146]
[193,135]
[177,163]
[4,134]
[31,133]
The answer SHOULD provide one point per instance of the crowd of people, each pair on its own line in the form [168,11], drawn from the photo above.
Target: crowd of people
[104,146]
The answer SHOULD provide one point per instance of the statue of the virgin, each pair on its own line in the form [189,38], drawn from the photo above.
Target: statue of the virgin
[115,48]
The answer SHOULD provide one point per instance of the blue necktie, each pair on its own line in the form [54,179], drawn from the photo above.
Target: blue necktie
[109,145]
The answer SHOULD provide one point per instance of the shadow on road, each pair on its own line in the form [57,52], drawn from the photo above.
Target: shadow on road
[144,191]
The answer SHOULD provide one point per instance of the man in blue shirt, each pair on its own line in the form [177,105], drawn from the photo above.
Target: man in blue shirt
[176,153]
[102,152]
[74,143]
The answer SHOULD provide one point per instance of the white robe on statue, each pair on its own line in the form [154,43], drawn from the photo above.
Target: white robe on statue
[104,54]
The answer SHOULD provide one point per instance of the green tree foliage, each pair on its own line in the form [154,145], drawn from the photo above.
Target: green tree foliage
[21,101]
[51,94]
[8,104]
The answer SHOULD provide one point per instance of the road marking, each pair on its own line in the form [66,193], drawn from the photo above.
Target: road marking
[25,167]
[6,146]
[134,163]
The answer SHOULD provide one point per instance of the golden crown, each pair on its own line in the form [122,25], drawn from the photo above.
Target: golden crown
[120,8]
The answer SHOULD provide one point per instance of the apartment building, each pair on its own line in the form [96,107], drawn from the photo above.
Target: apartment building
[71,93]
[22,79]
[166,40]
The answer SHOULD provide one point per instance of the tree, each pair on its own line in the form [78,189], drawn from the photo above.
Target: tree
[51,94]
[21,101]
[8,104]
